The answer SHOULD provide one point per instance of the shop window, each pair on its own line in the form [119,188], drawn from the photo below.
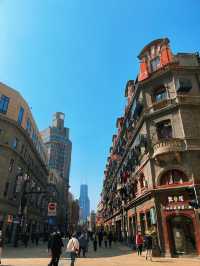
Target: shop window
[155,63]
[173,177]
[5,193]
[11,165]
[160,94]
[20,116]
[183,85]
[153,216]
[164,130]
[4,102]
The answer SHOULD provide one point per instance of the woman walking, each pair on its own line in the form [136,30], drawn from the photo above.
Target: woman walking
[139,243]
[73,248]
[149,246]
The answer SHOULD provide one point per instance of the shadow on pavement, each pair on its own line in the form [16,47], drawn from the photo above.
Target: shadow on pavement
[41,252]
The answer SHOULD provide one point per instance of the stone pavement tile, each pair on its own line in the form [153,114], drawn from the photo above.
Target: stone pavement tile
[117,256]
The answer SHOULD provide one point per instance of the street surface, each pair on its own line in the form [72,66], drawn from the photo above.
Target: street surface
[118,255]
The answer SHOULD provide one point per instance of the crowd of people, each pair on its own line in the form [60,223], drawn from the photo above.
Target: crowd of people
[77,244]
[144,242]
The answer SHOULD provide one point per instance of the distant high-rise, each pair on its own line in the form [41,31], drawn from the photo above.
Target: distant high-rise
[84,202]
[59,146]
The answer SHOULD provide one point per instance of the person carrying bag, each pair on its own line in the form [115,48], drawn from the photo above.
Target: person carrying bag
[73,248]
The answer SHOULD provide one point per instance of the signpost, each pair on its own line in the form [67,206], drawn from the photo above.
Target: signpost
[52,209]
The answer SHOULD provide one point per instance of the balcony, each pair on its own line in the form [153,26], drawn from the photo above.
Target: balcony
[161,104]
[167,146]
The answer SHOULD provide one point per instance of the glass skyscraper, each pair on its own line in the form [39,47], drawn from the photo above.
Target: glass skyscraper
[84,203]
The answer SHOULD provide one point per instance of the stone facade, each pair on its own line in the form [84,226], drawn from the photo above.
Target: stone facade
[57,194]
[22,167]
[155,154]
[59,148]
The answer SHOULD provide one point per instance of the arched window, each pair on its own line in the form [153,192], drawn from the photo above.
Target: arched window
[173,177]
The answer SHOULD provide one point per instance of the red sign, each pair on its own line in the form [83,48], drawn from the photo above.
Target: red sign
[52,208]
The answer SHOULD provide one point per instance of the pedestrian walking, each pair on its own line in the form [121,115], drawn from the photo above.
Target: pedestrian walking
[26,239]
[73,248]
[100,237]
[37,237]
[1,244]
[139,243]
[95,242]
[110,238]
[55,245]
[105,239]
[148,245]
[82,244]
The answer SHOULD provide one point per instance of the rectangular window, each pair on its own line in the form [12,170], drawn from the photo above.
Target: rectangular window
[155,63]
[164,130]
[20,116]
[11,165]
[160,95]
[28,125]
[4,102]
[183,85]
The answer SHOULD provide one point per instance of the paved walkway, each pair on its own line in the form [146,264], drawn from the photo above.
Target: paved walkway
[116,256]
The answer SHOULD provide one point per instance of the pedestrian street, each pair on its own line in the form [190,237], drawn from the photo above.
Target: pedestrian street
[118,255]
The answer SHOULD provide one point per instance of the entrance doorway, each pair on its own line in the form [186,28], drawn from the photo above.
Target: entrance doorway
[182,235]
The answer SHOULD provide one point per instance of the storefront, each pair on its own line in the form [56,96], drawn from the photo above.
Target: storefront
[181,229]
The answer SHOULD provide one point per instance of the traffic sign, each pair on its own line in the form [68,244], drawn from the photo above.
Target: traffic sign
[52,209]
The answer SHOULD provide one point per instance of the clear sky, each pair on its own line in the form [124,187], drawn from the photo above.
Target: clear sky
[75,56]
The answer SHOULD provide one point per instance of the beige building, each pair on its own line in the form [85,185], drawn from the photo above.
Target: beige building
[155,155]
[23,171]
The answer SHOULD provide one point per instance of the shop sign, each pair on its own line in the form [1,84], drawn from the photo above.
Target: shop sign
[52,209]
[177,207]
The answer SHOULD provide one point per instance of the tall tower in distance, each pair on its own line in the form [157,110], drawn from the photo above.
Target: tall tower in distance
[59,146]
[84,203]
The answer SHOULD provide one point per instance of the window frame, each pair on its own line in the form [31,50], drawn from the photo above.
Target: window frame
[155,67]
[162,90]
[4,103]
[20,115]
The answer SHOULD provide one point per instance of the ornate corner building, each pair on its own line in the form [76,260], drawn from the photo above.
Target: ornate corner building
[23,168]
[155,155]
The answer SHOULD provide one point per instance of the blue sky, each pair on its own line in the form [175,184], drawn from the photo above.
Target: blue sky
[76,56]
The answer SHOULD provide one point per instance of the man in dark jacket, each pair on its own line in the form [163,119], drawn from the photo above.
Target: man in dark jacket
[55,245]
